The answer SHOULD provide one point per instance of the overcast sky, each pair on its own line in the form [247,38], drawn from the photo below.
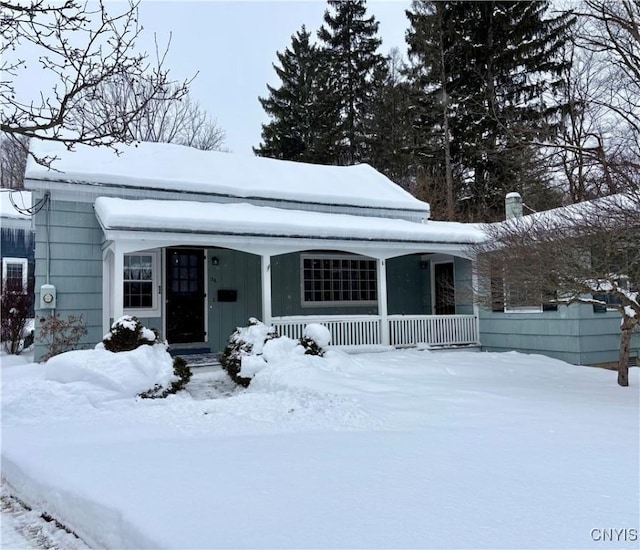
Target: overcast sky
[232,45]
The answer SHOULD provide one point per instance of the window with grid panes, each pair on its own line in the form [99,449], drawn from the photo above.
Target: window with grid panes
[338,280]
[138,281]
[14,273]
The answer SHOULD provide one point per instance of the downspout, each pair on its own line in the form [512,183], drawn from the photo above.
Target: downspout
[47,197]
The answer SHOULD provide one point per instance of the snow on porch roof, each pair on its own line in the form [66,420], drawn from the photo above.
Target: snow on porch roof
[250,220]
[178,168]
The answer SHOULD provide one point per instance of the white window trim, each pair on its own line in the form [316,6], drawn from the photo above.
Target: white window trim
[439,259]
[25,269]
[341,303]
[524,309]
[154,310]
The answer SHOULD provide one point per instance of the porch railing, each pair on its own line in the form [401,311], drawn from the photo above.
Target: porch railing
[435,330]
[404,330]
[348,330]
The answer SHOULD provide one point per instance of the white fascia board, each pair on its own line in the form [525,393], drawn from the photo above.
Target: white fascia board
[130,241]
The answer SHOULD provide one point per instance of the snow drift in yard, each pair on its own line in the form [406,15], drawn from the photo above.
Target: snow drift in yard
[105,375]
[400,449]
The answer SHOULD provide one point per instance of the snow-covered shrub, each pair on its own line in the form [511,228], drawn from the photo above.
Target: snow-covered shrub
[244,342]
[183,374]
[127,333]
[61,335]
[315,339]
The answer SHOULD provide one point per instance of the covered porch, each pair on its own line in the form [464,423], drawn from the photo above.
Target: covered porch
[371,289]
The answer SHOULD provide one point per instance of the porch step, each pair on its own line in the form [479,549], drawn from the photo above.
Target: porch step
[197,360]
[183,352]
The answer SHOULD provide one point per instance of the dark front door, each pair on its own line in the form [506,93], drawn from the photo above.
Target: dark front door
[445,302]
[185,295]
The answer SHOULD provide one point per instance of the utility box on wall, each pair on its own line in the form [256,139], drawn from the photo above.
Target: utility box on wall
[48,297]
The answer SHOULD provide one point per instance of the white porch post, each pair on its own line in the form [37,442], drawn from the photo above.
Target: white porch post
[476,307]
[266,289]
[382,302]
[107,278]
[117,281]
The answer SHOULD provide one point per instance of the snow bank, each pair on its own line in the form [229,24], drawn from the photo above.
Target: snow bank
[401,449]
[106,375]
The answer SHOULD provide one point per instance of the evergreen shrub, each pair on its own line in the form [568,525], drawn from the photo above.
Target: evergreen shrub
[127,333]
[243,342]
[315,339]
[182,371]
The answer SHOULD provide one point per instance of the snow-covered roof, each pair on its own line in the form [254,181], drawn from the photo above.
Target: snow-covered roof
[173,167]
[251,220]
[565,216]
[22,200]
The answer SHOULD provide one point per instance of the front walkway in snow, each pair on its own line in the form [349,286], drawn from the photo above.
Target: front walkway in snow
[403,449]
[25,529]
[211,383]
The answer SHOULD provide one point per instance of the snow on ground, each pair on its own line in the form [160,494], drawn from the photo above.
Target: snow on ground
[402,449]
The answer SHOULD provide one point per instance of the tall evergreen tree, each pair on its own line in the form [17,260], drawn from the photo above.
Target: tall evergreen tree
[388,122]
[299,114]
[350,41]
[491,68]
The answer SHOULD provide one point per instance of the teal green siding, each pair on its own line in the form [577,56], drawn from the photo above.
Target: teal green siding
[574,334]
[285,294]
[76,266]
[235,271]
[408,286]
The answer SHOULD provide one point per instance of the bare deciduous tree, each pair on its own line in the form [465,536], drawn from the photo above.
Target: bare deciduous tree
[568,255]
[604,85]
[164,118]
[613,29]
[13,160]
[74,48]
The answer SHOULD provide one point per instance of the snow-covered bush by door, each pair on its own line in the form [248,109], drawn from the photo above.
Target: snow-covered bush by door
[245,342]
[127,333]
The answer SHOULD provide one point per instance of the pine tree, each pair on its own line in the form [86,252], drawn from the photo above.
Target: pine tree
[495,66]
[296,107]
[388,131]
[350,43]
[432,53]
